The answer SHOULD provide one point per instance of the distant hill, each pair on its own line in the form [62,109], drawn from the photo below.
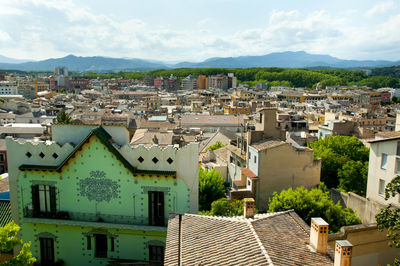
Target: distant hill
[286,60]
[106,64]
[79,63]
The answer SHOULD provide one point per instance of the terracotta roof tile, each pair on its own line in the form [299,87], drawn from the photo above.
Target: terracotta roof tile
[277,238]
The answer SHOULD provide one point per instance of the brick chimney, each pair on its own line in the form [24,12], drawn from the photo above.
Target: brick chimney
[249,206]
[319,234]
[343,250]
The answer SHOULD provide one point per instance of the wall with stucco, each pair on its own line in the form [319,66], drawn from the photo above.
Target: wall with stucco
[97,191]
[370,247]
[375,172]
[365,209]
[284,167]
[70,242]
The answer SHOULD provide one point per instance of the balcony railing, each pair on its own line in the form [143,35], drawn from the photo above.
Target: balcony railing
[91,217]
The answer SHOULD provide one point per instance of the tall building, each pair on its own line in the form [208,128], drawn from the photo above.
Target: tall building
[189,83]
[89,198]
[232,80]
[61,71]
[173,83]
[161,83]
[202,82]
[148,80]
[218,82]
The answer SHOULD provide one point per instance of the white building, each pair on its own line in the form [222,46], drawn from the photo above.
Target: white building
[384,165]
[8,88]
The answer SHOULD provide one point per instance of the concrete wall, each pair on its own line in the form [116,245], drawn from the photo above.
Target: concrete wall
[370,247]
[284,167]
[364,208]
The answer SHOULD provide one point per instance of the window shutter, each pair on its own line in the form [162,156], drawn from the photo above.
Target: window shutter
[53,199]
[35,200]
[161,208]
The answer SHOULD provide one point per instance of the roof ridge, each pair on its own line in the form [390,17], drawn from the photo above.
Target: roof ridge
[240,218]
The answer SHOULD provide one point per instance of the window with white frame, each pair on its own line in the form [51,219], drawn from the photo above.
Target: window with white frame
[382,187]
[384,161]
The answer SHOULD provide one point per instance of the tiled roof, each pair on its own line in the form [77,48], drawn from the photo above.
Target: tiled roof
[267,144]
[247,172]
[5,212]
[215,120]
[267,239]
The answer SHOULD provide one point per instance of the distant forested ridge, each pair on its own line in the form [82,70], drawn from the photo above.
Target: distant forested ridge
[273,76]
[393,71]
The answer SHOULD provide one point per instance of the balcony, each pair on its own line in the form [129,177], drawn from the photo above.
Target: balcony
[92,219]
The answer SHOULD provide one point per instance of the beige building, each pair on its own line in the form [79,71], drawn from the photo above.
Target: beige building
[263,163]
[384,165]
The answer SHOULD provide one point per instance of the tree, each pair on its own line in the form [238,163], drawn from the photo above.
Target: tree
[211,188]
[353,177]
[389,218]
[335,152]
[226,207]
[63,118]
[9,239]
[214,147]
[313,203]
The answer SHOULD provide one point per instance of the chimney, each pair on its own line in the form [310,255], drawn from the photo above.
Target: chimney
[343,250]
[319,234]
[249,206]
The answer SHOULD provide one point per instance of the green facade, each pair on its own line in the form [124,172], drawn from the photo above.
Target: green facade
[97,193]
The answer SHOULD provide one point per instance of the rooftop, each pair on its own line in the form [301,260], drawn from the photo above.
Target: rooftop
[267,144]
[267,239]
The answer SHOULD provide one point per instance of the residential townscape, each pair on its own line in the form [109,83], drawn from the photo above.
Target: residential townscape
[196,170]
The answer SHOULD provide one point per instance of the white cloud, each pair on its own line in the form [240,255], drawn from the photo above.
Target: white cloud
[381,8]
[52,28]
[4,36]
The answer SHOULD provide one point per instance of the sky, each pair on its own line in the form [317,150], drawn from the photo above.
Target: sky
[194,30]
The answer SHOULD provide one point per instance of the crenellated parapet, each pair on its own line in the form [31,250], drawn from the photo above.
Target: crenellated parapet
[36,152]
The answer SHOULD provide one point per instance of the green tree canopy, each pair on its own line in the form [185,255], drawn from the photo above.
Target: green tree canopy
[211,188]
[214,147]
[353,177]
[226,207]
[335,152]
[63,118]
[9,239]
[313,203]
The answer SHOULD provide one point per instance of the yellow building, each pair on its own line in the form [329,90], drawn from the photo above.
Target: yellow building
[233,110]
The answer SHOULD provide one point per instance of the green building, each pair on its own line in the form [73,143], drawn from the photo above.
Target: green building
[89,198]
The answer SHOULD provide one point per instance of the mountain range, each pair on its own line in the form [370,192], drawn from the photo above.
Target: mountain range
[106,64]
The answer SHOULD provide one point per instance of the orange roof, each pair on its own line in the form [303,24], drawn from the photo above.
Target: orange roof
[247,172]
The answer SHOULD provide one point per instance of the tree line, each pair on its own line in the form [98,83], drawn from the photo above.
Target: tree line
[273,75]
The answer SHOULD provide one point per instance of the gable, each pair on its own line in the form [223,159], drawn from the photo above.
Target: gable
[98,135]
